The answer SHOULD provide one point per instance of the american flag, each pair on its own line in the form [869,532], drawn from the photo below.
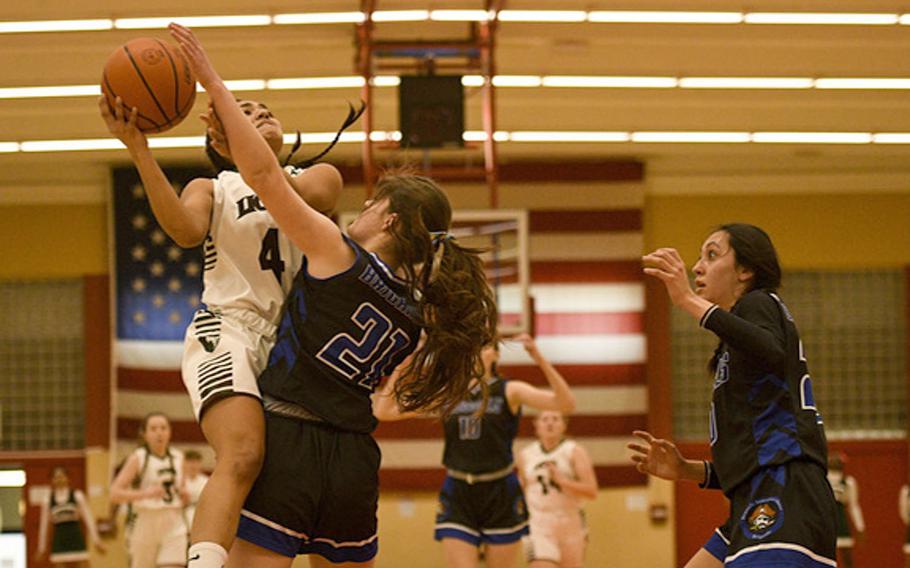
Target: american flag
[158,287]
[589,310]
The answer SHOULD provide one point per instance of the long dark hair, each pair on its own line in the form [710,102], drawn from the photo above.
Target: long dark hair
[455,305]
[754,251]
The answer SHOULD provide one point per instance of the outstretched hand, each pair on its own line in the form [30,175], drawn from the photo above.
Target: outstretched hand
[195,54]
[666,265]
[656,457]
[120,123]
[527,342]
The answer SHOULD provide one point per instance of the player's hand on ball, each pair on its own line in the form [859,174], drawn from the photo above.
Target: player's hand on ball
[656,457]
[195,54]
[120,122]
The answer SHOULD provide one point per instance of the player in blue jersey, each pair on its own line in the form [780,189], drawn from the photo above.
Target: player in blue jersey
[357,308]
[481,502]
[769,453]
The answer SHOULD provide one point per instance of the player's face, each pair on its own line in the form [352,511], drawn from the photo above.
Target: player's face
[157,433]
[265,122]
[549,425]
[718,278]
[59,479]
[374,218]
[489,355]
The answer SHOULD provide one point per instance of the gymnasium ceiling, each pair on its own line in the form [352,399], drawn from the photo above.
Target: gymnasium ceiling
[537,49]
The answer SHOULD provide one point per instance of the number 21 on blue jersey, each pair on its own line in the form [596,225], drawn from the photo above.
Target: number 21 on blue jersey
[364,359]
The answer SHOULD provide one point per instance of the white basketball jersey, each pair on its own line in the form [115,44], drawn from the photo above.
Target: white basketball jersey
[166,471]
[541,493]
[249,263]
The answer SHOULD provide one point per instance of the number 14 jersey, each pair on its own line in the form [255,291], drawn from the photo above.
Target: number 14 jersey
[249,263]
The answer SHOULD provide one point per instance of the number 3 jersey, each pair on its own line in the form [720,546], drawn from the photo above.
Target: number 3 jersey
[338,337]
[249,263]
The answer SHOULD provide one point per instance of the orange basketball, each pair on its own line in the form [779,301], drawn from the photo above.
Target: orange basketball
[154,77]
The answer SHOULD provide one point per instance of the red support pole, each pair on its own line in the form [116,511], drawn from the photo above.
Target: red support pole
[488,69]
[365,63]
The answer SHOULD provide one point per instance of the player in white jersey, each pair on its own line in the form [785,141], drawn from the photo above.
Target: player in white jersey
[249,267]
[557,475]
[152,481]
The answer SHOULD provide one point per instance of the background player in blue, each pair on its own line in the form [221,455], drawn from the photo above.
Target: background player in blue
[481,502]
[358,307]
[768,446]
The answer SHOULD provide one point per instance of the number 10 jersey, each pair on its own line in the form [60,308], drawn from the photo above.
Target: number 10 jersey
[249,263]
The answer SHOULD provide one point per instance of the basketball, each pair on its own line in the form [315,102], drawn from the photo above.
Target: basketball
[154,77]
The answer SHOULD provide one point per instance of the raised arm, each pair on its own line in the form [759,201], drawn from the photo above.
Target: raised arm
[314,234]
[185,218]
[754,327]
[558,397]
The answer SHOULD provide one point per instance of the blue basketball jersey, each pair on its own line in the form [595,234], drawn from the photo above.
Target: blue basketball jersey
[338,337]
[478,444]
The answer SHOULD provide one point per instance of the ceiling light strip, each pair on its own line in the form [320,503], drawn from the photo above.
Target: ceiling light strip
[524,136]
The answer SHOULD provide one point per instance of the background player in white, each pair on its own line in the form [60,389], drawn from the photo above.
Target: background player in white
[65,510]
[557,475]
[849,514]
[249,267]
[195,482]
[152,481]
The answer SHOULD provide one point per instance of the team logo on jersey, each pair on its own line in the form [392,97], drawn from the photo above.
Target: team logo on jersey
[762,518]
[249,204]
[207,326]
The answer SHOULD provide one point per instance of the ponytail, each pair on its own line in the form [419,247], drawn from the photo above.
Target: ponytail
[455,304]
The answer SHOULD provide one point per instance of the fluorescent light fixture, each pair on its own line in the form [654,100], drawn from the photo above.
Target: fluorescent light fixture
[324,137]
[193,22]
[177,142]
[697,137]
[500,136]
[577,136]
[12,478]
[383,136]
[746,82]
[481,136]
[319,18]
[516,81]
[401,15]
[891,138]
[609,82]
[54,91]
[71,145]
[472,80]
[245,85]
[812,137]
[790,18]
[460,15]
[862,83]
[55,26]
[656,17]
[8,147]
[542,16]
[386,81]
[315,83]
